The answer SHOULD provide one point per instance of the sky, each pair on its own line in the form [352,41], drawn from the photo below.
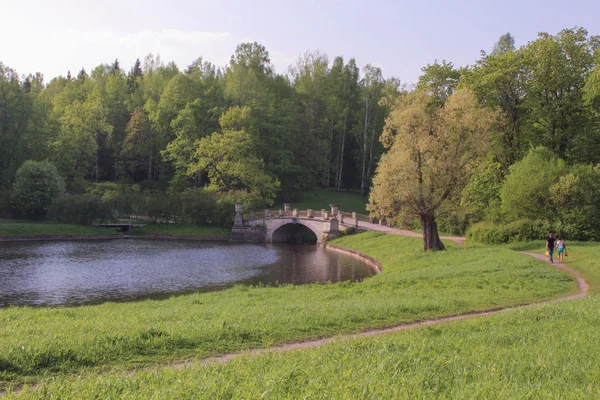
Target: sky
[400,37]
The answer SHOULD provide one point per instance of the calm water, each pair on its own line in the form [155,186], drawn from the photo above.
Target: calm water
[66,273]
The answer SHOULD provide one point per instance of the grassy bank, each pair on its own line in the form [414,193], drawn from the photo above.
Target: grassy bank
[583,257]
[24,228]
[413,286]
[543,352]
[185,230]
[321,199]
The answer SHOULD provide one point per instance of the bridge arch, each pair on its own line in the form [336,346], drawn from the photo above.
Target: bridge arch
[308,225]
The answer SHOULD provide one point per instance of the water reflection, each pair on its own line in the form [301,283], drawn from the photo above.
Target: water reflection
[73,272]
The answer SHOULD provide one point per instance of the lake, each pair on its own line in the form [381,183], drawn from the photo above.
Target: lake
[71,273]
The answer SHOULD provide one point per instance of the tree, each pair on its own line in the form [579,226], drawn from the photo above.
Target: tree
[76,150]
[499,80]
[431,154]
[576,196]
[372,91]
[137,153]
[36,185]
[558,117]
[439,80]
[229,157]
[526,190]
[505,44]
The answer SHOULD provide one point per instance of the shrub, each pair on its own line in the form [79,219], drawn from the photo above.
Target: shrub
[80,209]
[526,190]
[487,232]
[36,185]
[6,209]
[520,230]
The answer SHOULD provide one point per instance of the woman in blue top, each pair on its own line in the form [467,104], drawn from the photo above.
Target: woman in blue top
[561,247]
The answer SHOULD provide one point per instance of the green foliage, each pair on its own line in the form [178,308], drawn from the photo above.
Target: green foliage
[6,208]
[36,185]
[526,191]
[80,209]
[481,195]
[515,231]
[230,160]
[576,197]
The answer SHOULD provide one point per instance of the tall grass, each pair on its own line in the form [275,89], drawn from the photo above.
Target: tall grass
[413,286]
[544,352]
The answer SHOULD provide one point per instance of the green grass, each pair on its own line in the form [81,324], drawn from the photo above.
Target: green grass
[583,257]
[185,230]
[321,199]
[23,228]
[542,352]
[413,286]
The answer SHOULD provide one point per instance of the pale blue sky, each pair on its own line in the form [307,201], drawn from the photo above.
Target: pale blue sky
[53,36]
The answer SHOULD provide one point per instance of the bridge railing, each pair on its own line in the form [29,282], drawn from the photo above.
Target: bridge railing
[316,214]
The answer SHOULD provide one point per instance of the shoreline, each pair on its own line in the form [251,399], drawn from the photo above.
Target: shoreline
[33,238]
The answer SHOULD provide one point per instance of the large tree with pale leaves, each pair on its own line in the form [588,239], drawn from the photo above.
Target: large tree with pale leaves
[432,150]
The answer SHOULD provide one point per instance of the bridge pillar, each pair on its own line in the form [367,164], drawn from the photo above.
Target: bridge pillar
[267,213]
[238,219]
[309,213]
[334,210]
[334,226]
[287,208]
[295,213]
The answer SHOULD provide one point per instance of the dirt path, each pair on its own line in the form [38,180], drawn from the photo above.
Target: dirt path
[401,232]
[582,285]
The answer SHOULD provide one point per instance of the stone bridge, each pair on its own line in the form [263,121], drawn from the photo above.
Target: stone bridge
[291,225]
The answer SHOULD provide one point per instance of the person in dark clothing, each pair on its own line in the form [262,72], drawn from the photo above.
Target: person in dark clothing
[550,246]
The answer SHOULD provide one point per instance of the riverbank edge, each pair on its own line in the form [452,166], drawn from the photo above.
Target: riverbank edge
[182,237]
[373,263]
[31,238]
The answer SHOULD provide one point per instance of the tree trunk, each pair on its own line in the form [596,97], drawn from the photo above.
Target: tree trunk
[364,155]
[330,155]
[338,184]
[431,238]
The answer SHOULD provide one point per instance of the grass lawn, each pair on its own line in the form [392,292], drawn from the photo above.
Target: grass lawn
[321,199]
[185,230]
[542,352]
[413,286]
[25,228]
[583,257]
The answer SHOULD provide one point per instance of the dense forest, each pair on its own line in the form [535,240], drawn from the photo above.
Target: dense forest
[323,124]
[316,126]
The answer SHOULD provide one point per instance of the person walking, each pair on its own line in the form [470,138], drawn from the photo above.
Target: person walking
[550,242]
[561,247]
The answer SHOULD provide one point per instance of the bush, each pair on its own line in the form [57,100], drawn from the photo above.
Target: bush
[526,190]
[36,185]
[160,207]
[79,209]
[198,207]
[521,230]
[487,232]
[6,210]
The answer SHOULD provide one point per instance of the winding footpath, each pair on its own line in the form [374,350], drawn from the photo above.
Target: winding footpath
[582,285]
